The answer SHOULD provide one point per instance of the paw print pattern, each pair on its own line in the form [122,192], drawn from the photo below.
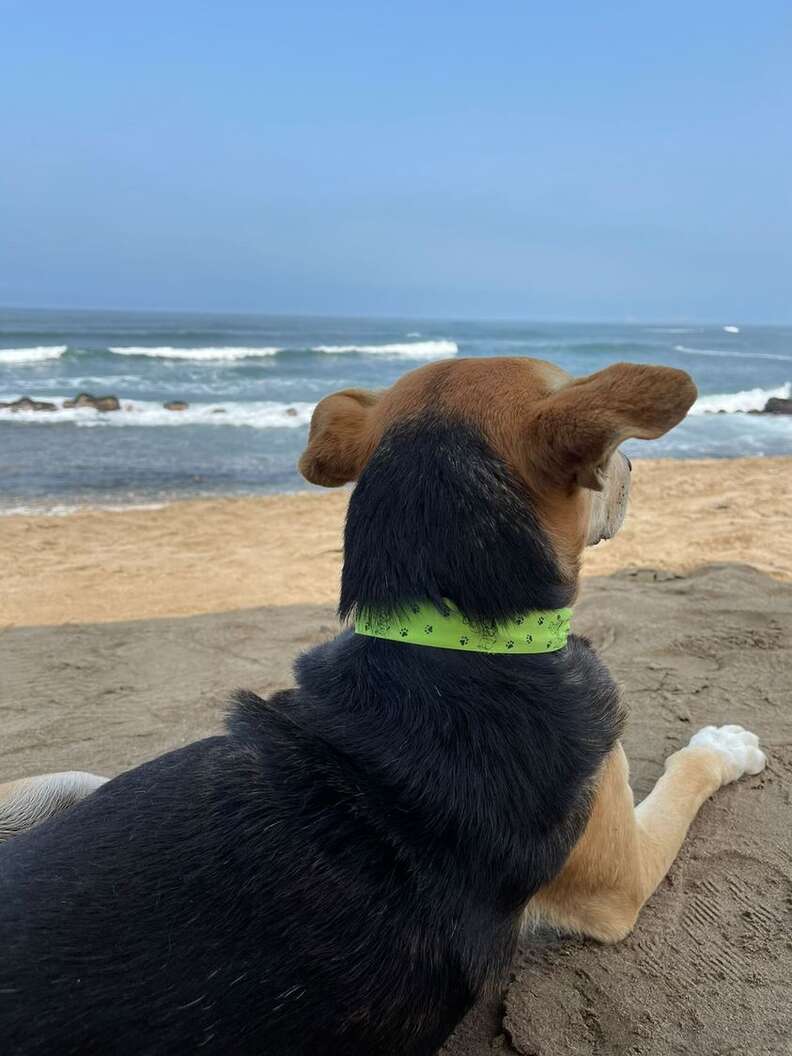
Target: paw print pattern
[428,628]
[403,632]
[540,621]
[529,638]
[464,640]
[510,644]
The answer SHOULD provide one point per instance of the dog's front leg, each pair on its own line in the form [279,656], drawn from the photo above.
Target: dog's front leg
[625,851]
[26,802]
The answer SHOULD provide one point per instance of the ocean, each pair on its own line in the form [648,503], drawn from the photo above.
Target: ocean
[252,381]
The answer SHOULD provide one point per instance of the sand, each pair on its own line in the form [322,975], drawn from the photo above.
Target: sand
[89,679]
[217,555]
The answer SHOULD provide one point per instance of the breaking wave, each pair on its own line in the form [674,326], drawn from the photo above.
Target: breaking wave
[214,354]
[747,400]
[31,355]
[409,349]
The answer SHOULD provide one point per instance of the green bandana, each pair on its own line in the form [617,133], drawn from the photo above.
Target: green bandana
[535,632]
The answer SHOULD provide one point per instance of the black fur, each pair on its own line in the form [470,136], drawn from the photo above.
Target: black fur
[344,871]
[437,515]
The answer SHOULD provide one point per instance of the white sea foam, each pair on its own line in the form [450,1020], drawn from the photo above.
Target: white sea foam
[731,329]
[65,510]
[265,414]
[747,400]
[731,355]
[410,349]
[222,352]
[31,355]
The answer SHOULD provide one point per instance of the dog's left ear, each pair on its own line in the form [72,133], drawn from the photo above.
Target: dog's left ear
[579,426]
[340,439]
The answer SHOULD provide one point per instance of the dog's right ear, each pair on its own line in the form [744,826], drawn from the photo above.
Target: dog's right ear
[582,424]
[340,439]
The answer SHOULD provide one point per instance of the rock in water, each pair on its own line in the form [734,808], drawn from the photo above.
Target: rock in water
[25,403]
[176,405]
[776,405]
[99,403]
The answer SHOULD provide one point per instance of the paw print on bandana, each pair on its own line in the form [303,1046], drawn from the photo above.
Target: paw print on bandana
[529,638]
[428,629]
[519,621]
[510,644]
[403,632]
[464,640]
[540,620]
[414,610]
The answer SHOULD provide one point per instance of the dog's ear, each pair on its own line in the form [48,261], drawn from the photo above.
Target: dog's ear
[340,438]
[580,426]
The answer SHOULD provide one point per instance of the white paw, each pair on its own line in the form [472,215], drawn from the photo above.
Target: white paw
[738,749]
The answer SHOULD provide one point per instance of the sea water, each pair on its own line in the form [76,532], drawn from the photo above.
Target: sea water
[251,382]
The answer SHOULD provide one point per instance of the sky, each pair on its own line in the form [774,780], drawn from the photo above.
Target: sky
[570,161]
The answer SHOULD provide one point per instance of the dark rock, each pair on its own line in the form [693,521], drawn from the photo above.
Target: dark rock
[99,403]
[291,412]
[176,405]
[219,410]
[775,405]
[26,404]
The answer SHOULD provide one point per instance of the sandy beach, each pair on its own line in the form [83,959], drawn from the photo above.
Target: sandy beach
[217,555]
[123,634]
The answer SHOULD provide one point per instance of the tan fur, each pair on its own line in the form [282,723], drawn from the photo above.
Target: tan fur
[555,432]
[626,851]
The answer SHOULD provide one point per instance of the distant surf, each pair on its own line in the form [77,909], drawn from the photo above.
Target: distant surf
[31,355]
[730,354]
[214,354]
[407,349]
[410,349]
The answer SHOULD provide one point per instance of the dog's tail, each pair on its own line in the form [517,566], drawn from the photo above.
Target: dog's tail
[27,802]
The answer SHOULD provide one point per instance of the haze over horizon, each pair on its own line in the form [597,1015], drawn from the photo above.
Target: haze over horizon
[577,164]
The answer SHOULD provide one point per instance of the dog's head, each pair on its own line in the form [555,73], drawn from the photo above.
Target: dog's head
[557,435]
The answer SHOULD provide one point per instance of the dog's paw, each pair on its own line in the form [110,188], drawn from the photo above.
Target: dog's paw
[738,750]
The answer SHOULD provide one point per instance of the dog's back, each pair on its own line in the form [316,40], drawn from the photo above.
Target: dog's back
[340,874]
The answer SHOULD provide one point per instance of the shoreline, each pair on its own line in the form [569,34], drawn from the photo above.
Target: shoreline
[60,506]
[197,556]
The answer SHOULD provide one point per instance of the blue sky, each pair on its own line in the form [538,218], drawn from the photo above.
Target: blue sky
[556,161]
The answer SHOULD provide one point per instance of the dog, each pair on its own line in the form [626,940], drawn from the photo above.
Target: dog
[347,868]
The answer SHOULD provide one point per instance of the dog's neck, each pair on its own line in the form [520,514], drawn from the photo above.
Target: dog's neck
[436,515]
